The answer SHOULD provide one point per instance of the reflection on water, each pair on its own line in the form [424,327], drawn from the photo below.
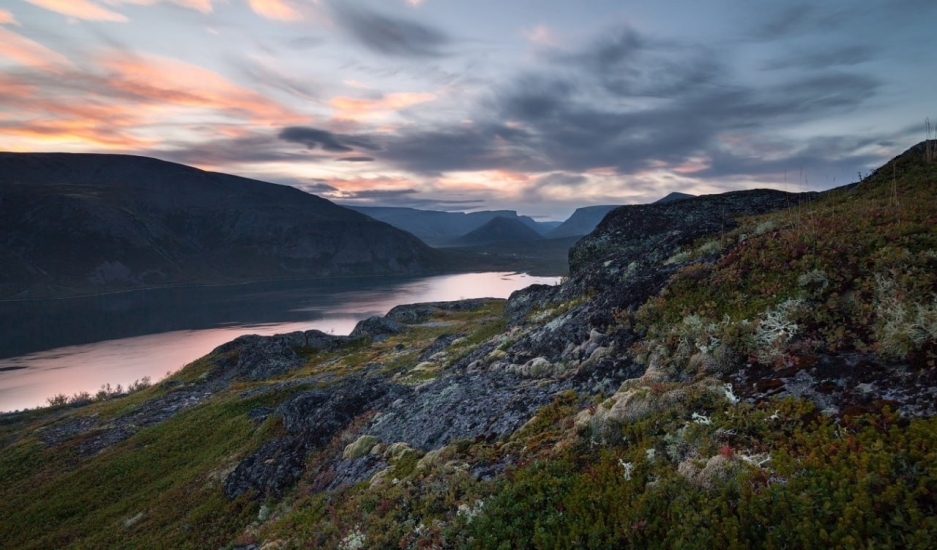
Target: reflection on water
[66,346]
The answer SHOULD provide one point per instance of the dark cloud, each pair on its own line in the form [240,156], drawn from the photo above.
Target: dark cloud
[327,141]
[474,147]
[822,58]
[789,20]
[313,137]
[356,159]
[315,187]
[388,35]
[632,104]
[253,148]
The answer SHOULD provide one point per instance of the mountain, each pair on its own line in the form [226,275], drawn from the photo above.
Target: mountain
[498,230]
[81,223]
[437,228]
[674,196]
[746,370]
[582,222]
[585,219]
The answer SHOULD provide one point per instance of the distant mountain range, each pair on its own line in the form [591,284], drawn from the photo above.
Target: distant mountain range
[499,230]
[80,223]
[440,228]
[587,218]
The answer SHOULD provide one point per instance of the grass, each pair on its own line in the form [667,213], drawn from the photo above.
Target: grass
[836,255]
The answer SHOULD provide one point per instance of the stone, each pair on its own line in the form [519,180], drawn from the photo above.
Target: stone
[377,328]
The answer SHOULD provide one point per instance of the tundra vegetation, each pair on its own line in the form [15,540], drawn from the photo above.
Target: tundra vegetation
[774,386]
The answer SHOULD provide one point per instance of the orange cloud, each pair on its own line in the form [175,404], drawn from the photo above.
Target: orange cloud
[104,135]
[129,102]
[356,109]
[27,52]
[170,84]
[6,18]
[275,9]
[80,9]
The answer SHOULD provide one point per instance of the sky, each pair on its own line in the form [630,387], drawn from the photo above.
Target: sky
[539,106]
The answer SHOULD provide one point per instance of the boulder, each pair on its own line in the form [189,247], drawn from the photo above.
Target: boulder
[377,328]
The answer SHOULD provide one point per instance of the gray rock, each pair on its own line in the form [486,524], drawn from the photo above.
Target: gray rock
[440,344]
[377,328]
[311,419]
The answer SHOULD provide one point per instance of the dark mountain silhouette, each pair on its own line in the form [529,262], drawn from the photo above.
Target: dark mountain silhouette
[79,223]
[439,228]
[585,219]
[497,231]
[675,196]
[582,222]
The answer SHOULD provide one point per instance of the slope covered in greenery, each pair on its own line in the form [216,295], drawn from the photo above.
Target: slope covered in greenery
[760,381]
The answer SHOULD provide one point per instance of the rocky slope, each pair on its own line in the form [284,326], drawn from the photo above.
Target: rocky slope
[754,369]
[73,224]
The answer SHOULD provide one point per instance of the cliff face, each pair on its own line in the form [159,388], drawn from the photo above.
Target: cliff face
[716,370]
[658,229]
[72,224]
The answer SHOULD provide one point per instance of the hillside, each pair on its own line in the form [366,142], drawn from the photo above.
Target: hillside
[582,222]
[747,370]
[585,219]
[438,228]
[499,230]
[76,224]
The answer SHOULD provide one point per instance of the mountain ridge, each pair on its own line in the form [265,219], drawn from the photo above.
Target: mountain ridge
[77,224]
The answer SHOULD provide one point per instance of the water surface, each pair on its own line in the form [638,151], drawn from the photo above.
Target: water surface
[66,346]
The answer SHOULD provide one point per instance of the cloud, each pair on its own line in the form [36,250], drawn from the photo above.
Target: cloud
[388,35]
[357,109]
[204,6]
[824,58]
[269,76]
[541,34]
[7,18]
[327,141]
[275,9]
[356,159]
[27,52]
[129,101]
[252,147]
[80,9]
[631,104]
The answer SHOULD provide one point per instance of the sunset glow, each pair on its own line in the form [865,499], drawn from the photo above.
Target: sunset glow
[541,108]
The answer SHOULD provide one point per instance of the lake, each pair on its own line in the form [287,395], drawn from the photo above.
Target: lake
[65,346]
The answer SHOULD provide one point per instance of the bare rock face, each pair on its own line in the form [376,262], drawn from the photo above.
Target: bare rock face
[311,419]
[377,328]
